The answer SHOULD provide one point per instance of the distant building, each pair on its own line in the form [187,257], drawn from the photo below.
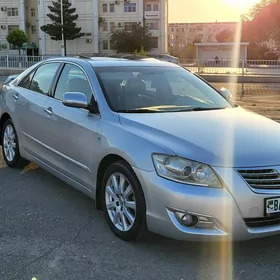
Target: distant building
[182,34]
[221,51]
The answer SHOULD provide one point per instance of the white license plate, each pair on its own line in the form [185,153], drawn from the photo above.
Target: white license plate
[272,205]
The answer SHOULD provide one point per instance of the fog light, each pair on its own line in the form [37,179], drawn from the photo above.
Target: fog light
[189,220]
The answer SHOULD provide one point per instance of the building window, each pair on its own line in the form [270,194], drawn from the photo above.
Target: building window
[148,7]
[112,26]
[128,25]
[152,7]
[33,12]
[152,24]
[112,8]
[12,12]
[105,45]
[172,29]
[156,7]
[155,42]
[105,8]
[130,7]
[33,29]
[111,45]
[105,26]
[11,27]
[183,30]
[13,47]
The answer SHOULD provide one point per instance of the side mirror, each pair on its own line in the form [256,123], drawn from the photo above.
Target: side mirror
[226,93]
[75,100]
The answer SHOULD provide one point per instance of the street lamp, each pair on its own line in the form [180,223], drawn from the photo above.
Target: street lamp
[62,31]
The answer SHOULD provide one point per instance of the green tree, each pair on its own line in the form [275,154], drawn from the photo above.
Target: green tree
[17,37]
[172,51]
[257,51]
[69,27]
[137,39]
[263,21]
[141,52]
[225,36]
[197,40]
[190,51]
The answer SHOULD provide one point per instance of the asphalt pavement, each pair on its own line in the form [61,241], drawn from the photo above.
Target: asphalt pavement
[50,231]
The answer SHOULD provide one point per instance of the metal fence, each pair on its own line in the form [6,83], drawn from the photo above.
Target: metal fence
[201,66]
[21,62]
[231,67]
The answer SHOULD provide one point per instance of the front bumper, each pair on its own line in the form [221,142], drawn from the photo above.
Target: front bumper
[225,207]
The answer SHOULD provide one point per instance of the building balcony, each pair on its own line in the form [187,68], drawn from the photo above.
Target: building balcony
[151,14]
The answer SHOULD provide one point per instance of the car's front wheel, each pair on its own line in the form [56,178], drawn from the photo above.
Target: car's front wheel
[10,146]
[123,202]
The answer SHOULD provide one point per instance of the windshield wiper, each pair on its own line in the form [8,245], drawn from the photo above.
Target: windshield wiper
[200,109]
[168,109]
[139,111]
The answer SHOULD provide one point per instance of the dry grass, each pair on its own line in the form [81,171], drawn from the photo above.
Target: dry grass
[260,98]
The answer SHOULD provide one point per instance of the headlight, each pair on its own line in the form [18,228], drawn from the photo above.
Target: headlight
[185,171]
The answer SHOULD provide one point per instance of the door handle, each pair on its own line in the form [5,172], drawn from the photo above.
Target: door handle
[49,111]
[15,96]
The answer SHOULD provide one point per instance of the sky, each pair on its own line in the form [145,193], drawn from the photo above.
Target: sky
[208,10]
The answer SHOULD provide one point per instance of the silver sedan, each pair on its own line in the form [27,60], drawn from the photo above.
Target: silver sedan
[155,146]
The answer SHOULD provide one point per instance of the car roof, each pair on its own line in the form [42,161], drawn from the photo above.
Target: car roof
[117,60]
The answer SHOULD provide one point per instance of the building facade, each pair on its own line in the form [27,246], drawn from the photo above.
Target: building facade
[97,18]
[181,35]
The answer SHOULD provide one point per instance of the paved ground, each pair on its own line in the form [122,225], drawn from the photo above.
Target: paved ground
[50,231]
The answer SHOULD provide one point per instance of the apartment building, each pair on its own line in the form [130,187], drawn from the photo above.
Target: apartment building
[97,18]
[182,34]
[18,13]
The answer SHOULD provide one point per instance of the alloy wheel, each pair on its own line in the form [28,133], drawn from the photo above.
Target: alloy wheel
[9,143]
[120,202]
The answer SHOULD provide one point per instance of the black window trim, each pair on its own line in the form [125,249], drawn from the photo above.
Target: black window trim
[55,82]
[33,72]
[60,72]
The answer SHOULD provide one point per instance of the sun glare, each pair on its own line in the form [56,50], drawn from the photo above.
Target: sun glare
[241,5]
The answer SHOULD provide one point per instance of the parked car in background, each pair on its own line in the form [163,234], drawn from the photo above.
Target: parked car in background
[7,81]
[10,79]
[165,57]
[154,145]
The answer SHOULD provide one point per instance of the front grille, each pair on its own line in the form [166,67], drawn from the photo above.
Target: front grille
[261,178]
[261,222]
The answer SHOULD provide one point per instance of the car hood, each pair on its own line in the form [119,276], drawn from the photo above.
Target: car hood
[232,137]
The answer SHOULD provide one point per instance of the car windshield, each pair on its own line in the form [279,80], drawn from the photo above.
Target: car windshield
[156,89]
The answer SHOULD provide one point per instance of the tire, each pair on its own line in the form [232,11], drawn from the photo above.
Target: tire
[124,203]
[15,161]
